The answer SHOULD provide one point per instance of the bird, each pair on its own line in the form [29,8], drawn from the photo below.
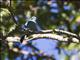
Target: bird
[32,24]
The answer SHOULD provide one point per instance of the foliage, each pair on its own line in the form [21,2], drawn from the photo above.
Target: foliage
[14,13]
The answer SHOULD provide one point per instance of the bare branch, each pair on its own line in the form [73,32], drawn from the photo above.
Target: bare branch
[54,37]
[67,33]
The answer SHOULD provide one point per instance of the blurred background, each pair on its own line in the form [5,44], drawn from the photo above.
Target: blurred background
[51,14]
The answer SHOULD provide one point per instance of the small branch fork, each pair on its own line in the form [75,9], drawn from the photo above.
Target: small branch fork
[52,34]
[72,38]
